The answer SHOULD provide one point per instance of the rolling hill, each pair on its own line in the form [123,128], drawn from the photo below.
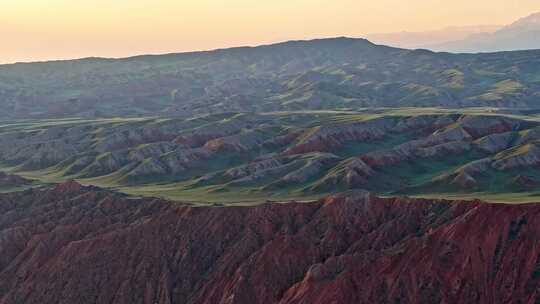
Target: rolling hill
[327,74]
[248,157]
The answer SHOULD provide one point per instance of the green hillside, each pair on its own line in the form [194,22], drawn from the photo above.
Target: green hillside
[239,157]
[326,74]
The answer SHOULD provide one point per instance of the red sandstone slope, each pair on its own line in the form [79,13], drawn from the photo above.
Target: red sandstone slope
[83,245]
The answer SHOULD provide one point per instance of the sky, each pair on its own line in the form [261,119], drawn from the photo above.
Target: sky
[35,30]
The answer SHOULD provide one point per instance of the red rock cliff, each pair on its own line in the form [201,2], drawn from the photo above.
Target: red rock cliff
[74,244]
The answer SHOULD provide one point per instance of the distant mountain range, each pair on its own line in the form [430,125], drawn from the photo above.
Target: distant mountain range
[418,40]
[523,34]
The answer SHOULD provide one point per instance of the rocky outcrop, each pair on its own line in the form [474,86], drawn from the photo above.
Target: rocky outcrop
[464,180]
[331,138]
[179,160]
[315,166]
[524,182]
[288,170]
[145,151]
[424,123]
[485,133]
[199,136]
[495,143]
[126,138]
[242,142]
[255,167]
[350,174]
[476,167]
[148,168]
[465,177]
[451,148]
[523,156]
[480,125]
[107,163]
[38,155]
[438,144]
[529,135]
[73,244]
[282,140]
[10,180]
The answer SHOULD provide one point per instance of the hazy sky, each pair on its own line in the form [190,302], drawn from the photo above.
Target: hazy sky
[53,29]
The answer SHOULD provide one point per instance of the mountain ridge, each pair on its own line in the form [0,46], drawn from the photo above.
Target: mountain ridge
[419,39]
[532,20]
[295,42]
[323,74]
[523,34]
